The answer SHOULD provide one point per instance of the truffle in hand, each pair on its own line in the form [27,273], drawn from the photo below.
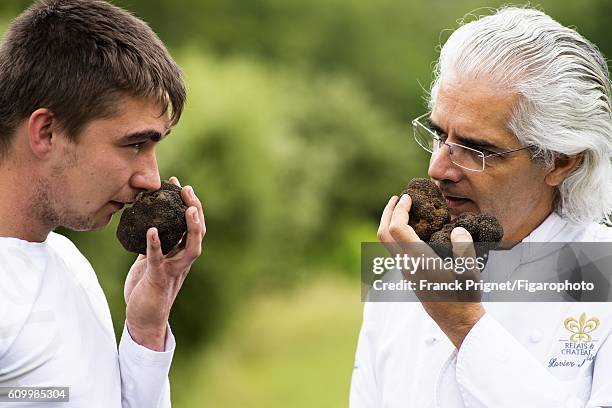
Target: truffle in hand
[163,209]
[430,219]
[428,212]
[484,228]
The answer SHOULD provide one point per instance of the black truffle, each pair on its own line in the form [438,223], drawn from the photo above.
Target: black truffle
[485,230]
[428,212]
[163,209]
[430,219]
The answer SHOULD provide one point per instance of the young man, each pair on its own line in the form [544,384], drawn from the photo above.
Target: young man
[520,127]
[87,92]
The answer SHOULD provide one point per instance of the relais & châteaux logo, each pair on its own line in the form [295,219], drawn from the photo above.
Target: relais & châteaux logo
[581,328]
[579,348]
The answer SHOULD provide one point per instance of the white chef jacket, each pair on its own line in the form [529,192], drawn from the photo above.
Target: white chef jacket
[517,354]
[56,331]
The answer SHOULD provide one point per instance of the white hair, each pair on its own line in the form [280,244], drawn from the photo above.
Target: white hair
[564,106]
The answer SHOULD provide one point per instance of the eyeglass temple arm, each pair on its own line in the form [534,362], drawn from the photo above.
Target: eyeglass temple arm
[508,151]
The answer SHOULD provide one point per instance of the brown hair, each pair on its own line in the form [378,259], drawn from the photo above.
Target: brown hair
[76,58]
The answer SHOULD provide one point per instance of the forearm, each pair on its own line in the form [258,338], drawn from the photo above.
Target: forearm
[152,338]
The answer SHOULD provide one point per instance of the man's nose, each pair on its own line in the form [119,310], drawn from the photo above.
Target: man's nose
[147,175]
[442,168]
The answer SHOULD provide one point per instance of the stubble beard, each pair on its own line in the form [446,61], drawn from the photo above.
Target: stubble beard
[52,212]
[53,205]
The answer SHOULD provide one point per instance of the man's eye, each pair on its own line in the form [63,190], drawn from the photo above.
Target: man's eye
[436,132]
[137,146]
[441,135]
[486,152]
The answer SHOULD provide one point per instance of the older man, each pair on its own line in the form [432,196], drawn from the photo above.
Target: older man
[520,127]
[87,92]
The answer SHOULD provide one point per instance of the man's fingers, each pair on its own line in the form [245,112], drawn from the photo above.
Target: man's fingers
[385,219]
[383,229]
[174,181]
[191,243]
[398,227]
[466,269]
[463,246]
[195,233]
[154,251]
[190,198]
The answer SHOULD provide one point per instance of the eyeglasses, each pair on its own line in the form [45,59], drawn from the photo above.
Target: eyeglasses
[463,156]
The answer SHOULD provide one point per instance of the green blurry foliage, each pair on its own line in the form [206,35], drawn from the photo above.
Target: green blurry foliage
[291,349]
[387,45]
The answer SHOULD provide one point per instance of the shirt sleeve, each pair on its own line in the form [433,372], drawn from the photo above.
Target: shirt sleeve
[494,370]
[144,372]
[364,390]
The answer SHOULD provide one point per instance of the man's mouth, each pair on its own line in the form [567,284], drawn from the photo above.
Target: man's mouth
[455,202]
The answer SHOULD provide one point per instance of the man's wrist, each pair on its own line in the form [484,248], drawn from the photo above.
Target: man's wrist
[153,338]
[455,319]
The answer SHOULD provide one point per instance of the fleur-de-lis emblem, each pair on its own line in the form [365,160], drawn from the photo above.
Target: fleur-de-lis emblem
[581,327]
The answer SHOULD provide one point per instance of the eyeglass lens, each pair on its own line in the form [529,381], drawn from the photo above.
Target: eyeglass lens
[459,155]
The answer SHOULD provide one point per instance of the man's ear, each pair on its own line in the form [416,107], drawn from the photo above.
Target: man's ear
[562,168]
[40,132]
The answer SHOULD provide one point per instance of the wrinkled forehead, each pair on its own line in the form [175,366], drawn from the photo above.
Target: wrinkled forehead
[474,107]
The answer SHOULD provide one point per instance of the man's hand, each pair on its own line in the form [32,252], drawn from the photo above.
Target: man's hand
[455,319]
[154,280]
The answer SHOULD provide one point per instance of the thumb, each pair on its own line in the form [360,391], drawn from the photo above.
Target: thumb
[154,251]
[463,248]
